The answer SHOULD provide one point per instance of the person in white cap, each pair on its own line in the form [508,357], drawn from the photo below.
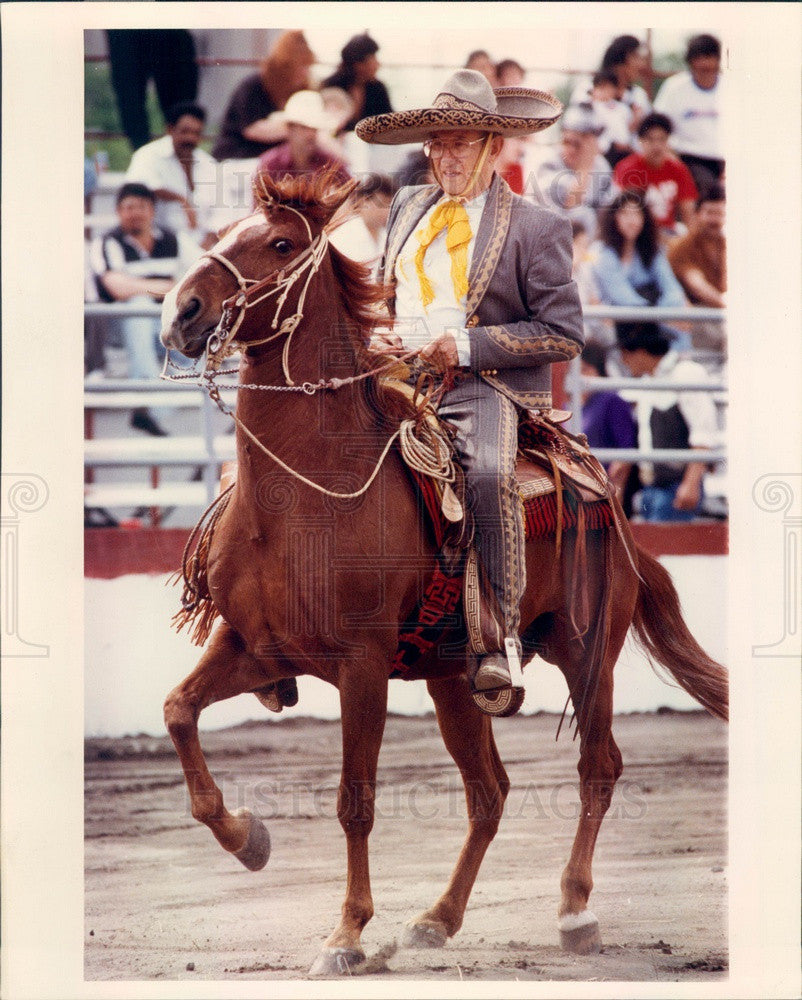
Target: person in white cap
[482,285]
[305,117]
[576,180]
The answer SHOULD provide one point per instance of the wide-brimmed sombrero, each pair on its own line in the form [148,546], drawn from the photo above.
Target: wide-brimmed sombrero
[466,101]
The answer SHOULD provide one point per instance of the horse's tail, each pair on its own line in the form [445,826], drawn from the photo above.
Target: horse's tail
[662,633]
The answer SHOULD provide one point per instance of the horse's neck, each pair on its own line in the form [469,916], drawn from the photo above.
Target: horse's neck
[319,434]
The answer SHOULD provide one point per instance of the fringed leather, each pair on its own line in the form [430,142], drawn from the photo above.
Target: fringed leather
[198,611]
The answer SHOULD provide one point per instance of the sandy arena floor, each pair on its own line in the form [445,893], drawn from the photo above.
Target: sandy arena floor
[165,902]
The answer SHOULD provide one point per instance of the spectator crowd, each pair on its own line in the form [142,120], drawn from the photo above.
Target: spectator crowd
[642,183]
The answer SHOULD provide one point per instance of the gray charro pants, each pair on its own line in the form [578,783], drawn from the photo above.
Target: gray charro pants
[486,444]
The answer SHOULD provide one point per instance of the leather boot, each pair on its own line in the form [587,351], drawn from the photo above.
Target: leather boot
[495,671]
[492,673]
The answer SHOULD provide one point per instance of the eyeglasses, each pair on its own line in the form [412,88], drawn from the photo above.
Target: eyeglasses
[459,148]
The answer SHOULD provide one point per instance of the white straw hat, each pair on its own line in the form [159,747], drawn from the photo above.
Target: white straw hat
[305,107]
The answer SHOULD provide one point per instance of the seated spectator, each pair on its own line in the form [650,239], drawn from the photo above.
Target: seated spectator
[630,268]
[666,419]
[582,273]
[614,139]
[356,75]
[361,237]
[340,109]
[510,73]
[248,128]
[577,180]
[692,100]
[480,60]
[699,259]
[138,262]
[607,422]
[304,117]
[181,175]
[666,182]
[623,58]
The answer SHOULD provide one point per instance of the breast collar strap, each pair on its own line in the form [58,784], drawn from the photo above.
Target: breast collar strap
[252,291]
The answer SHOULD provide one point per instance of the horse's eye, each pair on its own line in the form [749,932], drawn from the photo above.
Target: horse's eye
[283,247]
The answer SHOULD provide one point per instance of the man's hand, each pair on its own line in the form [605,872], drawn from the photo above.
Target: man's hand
[386,341]
[157,288]
[270,129]
[441,353]
[688,496]
[689,492]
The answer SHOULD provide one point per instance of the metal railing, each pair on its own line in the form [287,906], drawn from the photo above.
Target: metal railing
[125,393]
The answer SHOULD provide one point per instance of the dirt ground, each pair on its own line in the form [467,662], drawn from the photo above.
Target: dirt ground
[164,902]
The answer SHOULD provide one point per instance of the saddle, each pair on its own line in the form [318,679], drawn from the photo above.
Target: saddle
[563,488]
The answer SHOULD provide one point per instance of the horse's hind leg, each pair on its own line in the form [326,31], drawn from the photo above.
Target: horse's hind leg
[468,736]
[599,766]
[224,670]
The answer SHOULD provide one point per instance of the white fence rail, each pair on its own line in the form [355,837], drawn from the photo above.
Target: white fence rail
[208,449]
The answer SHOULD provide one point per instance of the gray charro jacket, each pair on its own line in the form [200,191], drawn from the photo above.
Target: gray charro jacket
[523,310]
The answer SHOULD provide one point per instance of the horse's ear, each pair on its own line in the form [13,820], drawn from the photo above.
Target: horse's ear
[265,191]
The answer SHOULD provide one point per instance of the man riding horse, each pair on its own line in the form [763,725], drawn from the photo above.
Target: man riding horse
[482,285]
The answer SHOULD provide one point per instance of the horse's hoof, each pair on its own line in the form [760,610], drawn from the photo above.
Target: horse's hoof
[256,849]
[424,934]
[337,962]
[269,697]
[501,702]
[579,933]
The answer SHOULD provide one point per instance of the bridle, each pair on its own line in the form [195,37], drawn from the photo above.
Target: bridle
[432,457]
[252,291]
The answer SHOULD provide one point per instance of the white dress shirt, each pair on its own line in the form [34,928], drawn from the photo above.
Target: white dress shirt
[156,165]
[417,324]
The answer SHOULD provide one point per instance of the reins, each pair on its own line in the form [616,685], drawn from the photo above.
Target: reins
[432,458]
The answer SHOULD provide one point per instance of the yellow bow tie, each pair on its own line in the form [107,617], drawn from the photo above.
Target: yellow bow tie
[450,214]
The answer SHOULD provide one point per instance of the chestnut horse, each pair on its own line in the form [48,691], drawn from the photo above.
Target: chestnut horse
[321,553]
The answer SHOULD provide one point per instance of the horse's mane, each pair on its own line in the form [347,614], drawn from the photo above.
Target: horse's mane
[317,197]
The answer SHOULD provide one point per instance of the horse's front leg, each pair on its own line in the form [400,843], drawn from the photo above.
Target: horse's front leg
[363,702]
[225,670]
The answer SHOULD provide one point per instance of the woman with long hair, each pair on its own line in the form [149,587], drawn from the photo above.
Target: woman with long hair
[247,129]
[630,268]
[356,75]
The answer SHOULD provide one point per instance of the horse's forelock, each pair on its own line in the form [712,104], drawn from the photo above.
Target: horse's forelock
[317,196]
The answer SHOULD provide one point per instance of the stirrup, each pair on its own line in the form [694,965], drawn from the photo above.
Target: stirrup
[504,700]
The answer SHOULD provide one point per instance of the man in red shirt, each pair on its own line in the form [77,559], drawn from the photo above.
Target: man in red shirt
[665,181]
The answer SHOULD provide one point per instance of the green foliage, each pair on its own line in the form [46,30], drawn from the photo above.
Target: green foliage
[668,63]
[564,91]
[100,106]
[101,115]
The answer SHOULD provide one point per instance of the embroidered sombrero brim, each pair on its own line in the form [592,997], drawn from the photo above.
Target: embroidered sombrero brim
[519,111]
